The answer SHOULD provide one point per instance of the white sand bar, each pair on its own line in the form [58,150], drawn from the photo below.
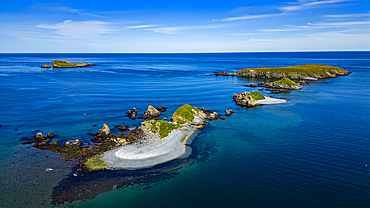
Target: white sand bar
[155,151]
[269,101]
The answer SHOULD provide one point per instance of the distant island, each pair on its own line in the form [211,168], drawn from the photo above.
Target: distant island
[66,64]
[300,72]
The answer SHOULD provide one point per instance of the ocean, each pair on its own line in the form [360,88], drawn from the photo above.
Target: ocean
[313,151]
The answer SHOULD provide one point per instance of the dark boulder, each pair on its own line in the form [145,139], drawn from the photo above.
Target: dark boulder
[132,113]
[251,85]
[229,112]
[162,108]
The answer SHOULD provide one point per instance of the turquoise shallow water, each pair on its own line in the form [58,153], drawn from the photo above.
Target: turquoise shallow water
[313,151]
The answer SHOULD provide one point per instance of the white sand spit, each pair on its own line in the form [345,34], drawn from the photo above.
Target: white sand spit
[155,151]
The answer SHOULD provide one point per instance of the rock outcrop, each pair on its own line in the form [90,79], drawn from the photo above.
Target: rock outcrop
[251,85]
[229,112]
[132,113]
[284,83]
[151,113]
[248,99]
[46,66]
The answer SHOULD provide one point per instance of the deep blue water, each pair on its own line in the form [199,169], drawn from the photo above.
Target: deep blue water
[313,151]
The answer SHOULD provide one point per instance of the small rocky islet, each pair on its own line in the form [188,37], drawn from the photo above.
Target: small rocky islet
[66,64]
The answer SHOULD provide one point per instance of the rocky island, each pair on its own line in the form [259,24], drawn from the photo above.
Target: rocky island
[65,64]
[161,141]
[302,72]
[255,99]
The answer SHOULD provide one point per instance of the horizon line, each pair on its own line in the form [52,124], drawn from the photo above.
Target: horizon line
[204,52]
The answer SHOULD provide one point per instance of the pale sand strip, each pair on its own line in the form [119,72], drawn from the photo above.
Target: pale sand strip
[268,101]
[154,152]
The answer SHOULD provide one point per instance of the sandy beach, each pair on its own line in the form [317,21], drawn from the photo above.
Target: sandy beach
[269,101]
[155,151]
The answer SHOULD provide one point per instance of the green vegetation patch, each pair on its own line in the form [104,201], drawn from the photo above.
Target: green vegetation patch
[96,163]
[180,121]
[186,112]
[164,128]
[64,64]
[285,81]
[318,69]
[257,95]
[184,137]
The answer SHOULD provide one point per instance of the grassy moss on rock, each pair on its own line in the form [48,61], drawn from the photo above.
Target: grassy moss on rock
[286,82]
[257,95]
[96,163]
[296,72]
[66,64]
[163,128]
[186,111]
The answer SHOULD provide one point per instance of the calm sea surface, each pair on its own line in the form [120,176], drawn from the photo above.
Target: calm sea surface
[313,151]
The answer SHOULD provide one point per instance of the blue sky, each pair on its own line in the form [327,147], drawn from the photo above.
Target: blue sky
[184,26]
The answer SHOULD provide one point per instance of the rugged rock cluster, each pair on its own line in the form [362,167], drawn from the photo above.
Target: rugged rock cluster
[151,113]
[185,117]
[247,99]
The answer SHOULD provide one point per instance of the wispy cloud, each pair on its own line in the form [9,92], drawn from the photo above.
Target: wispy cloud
[246,17]
[349,15]
[302,5]
[353,23]
[61,8]
[176,29]
[140,26]
[244,34]
[262,40]
[79,29]
[279,30]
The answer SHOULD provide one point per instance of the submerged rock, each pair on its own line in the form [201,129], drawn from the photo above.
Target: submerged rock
[162,108]
[73,143]
[121,127]
[251,85]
